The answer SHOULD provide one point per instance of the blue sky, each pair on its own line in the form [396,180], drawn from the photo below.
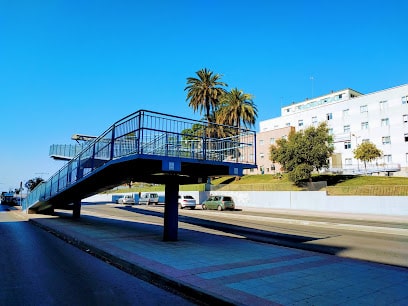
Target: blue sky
[78,66]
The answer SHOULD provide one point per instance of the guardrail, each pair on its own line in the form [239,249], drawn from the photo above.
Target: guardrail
[369,169]
[151,133]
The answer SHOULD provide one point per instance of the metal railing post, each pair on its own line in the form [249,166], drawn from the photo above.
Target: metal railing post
[112,153]
[93,158]
[141,133]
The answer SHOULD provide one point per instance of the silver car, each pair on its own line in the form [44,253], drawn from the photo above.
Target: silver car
[126,199]
[186,201]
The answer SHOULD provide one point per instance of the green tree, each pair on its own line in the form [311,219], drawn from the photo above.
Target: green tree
[195,131]
[204,92]
[303,152]
[32,183]
[237,109]
[367,152]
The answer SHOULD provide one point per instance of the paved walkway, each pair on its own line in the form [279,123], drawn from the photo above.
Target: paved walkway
[217,269]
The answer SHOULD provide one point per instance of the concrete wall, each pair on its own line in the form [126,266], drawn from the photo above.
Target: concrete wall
[299,200]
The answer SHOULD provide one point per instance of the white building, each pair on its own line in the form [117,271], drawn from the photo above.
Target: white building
[380,117]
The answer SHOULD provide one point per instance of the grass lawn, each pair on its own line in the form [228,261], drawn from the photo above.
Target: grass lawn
[336,185]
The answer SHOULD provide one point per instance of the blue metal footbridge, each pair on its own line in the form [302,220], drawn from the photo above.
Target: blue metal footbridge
[147,147]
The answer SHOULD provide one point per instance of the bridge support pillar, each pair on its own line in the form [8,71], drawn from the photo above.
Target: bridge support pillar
[76,213]
[170,231]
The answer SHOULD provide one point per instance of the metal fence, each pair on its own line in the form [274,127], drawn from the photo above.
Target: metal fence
[66,151]
[151,133]
[369,190]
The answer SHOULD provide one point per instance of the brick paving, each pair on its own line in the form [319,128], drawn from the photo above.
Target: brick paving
[234,270]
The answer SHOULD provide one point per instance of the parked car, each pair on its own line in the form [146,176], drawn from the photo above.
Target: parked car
[126,199]
[186,201]
[219,202]
[149,198]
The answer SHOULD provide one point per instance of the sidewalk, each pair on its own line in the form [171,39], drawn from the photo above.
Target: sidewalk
[216,269]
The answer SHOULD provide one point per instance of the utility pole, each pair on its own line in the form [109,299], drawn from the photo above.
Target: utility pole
[356,138]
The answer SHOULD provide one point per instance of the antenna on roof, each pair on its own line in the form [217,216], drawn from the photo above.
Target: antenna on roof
[312,79]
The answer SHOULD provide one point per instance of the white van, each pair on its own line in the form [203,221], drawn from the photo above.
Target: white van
[149,198]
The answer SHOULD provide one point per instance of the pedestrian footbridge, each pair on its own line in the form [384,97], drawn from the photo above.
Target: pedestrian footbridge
[148,147]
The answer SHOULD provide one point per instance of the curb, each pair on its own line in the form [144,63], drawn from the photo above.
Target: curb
[189,292]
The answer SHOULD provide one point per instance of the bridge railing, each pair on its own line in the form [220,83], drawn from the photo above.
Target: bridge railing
[65,151]
[151,133]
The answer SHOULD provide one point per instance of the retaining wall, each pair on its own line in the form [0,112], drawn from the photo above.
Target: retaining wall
[298,200]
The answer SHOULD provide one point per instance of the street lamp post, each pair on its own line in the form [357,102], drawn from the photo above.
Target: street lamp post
[356,138]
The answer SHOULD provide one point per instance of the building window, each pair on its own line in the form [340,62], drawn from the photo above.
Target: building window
[385,122]
[272,141]
[363,109]
[364,125]
[345,113]
[406,137]
[288,124]
[365,140]
[251,157]
[300,123]
[346,129]
[386,140]
[383,105]
[261,155]
[261,142]
[347,145]
[387,159]
[285,137]
[329,116]
[404,99]
[314,120]
[348,161]
[330,131]
[405,118]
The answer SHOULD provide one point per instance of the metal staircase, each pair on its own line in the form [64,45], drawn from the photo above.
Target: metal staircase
[145,146]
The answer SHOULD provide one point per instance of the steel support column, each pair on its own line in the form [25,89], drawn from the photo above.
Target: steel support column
[170,231]
[76,213]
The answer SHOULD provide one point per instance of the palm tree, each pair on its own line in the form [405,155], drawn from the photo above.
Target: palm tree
[204,92]
[237,109]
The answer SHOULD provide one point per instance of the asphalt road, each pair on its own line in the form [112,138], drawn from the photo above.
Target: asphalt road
[37,268]
[381,240]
